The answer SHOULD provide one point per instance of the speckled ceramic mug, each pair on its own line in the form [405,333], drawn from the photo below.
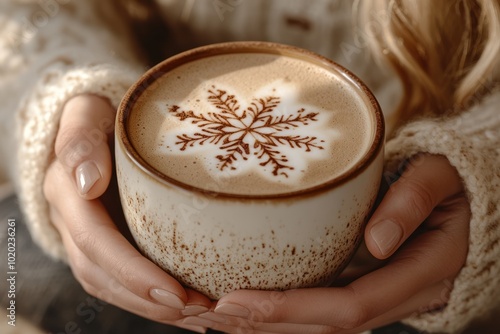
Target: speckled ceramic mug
[248,165]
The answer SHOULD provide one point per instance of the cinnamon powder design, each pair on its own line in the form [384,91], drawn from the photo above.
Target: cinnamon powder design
[239,132]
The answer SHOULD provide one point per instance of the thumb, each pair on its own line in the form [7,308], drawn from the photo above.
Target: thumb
[426,182]
[82,143]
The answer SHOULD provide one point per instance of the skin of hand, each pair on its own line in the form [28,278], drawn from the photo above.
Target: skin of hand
[420,230]
[101,256]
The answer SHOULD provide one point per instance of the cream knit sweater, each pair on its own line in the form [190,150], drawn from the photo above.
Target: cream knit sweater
[52,50]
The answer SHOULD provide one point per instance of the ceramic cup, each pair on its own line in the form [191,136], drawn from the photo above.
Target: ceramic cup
[206,230]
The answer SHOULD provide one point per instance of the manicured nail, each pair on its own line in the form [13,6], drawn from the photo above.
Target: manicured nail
[194,310]
[167,298]
[87,175]
[386,235]
[233,310]
[213,317]
[197,321]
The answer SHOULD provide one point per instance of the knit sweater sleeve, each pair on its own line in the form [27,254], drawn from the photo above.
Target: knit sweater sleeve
[471,142]
[51,51]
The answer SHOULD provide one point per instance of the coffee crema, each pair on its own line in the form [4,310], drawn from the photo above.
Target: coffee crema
[251,124]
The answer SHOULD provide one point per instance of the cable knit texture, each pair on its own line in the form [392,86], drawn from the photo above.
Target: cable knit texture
[40,73]
[471,144]
[53,50]
[39,122]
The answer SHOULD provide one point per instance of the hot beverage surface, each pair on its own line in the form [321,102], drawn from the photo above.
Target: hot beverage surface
[251,124]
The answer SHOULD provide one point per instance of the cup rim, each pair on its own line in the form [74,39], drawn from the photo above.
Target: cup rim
[148,78]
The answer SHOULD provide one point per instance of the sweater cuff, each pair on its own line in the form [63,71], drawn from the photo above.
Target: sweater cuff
[471,142]
[37,126]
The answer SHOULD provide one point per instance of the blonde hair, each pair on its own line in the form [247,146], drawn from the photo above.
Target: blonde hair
[443,51]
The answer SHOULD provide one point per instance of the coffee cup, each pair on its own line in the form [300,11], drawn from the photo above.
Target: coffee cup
[248,165]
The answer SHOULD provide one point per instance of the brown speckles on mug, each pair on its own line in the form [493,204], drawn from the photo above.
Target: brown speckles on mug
[218,261]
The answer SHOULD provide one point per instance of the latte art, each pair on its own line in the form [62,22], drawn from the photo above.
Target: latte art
[255,135]
[250,123]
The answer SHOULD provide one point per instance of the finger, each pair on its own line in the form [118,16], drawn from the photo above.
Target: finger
[100,284]
[428,180]
[251,326]
[196,304]
[366,298]
[82,143]
[96,236]
[430,298]
[109,291]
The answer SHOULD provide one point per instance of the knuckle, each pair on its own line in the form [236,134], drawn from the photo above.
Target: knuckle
[126,273]
[74,144]
[122,270]
[354,320]
[66,139]
[355,316]
[420,198]
[83,239]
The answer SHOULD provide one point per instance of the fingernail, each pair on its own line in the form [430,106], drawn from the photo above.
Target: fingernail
[197,321]
[87,175]
[233,310]
[194,310]
[167,298]
[213,317]
[386,235]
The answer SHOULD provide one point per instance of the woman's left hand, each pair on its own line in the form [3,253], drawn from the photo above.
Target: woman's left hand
[421,226]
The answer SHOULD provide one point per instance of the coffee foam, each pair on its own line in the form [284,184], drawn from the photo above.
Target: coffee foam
[254,124]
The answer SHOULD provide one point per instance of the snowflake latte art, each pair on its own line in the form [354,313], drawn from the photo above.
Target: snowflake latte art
[255,124]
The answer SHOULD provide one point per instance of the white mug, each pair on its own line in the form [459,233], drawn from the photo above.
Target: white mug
[217,242]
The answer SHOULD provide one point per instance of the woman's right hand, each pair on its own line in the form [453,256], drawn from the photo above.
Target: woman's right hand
[101,258]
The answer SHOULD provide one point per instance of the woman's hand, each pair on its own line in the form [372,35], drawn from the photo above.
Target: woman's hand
[100,256]
[421,226]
